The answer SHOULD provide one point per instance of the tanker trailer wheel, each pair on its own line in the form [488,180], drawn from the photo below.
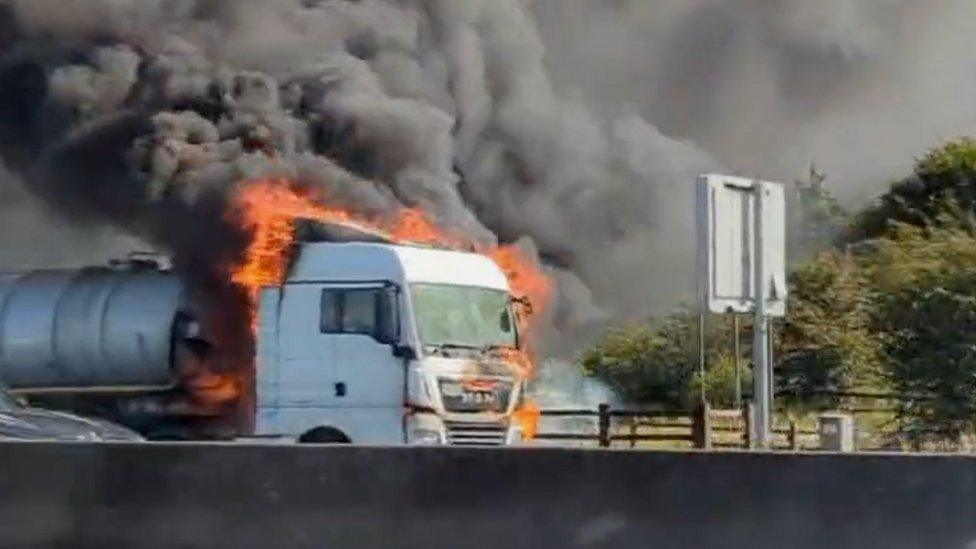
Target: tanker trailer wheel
[324,435]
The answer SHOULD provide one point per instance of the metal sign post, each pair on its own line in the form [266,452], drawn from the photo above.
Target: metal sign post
[701,357]
[738,361]
[762,363]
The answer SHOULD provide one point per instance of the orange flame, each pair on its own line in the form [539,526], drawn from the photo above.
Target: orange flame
[213,388]
[413,225]
[527,418]
[269,209]
[524,277]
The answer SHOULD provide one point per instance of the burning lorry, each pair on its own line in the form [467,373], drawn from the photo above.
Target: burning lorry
[363,342]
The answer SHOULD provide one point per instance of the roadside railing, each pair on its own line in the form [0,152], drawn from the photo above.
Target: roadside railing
[701,428]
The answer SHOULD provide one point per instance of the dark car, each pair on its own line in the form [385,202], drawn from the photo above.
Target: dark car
[20,422]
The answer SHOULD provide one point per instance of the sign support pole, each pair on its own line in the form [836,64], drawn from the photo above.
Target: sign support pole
[701,356]
[738,361]
[762,363]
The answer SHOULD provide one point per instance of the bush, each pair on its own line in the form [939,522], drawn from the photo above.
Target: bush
[644,364]
[720,381]
[656,363]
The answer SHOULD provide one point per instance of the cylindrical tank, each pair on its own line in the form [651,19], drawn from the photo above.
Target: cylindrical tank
[88,328]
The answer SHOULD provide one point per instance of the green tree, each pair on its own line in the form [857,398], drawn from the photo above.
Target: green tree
[943,184]
[826,343]
[926,282]
[815,217]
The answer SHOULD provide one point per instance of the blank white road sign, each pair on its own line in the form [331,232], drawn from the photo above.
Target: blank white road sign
[728,238]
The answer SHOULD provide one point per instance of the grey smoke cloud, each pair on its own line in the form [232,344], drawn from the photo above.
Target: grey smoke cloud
[34,237]
[579,125]
[862,87]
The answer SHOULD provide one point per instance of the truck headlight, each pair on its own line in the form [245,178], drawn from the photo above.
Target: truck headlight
[426,437]
[425,429]
[514,436]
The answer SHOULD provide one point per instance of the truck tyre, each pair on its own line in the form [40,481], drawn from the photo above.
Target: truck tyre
[324,435]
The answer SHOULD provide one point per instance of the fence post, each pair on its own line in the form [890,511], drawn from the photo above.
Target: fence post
[702,426]
[794,439]
[750,417]
[604,425]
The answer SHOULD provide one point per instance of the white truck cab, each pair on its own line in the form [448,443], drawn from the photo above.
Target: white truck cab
[388,344]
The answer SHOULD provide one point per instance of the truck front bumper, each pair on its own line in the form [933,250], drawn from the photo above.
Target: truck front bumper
[429,429]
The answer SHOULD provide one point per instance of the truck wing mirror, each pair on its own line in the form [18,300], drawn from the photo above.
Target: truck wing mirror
[505,322]
[405,351]
[387,316]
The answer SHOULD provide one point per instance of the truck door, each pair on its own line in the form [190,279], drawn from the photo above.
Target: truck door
[361,321]
[306,378]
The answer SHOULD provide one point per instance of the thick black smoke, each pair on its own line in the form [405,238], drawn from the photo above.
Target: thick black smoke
[553,120]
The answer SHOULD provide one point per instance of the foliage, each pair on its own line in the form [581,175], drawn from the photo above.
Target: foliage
[657,363]
[927,311]
[826,343]
[644,364]
[720,380]
[815,217]
[943,185]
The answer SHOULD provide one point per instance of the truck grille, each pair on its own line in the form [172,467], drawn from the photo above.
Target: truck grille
[480,395]
[475,434]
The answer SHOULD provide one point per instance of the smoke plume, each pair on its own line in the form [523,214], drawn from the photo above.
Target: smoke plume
[861,87]
[577,125]
[34,237]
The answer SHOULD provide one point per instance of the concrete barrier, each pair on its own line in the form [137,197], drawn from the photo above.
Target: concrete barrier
[196,495]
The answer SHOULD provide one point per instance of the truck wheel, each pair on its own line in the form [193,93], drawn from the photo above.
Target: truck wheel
[324,435]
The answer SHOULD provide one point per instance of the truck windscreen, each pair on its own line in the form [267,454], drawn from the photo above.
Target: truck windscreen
[463,316]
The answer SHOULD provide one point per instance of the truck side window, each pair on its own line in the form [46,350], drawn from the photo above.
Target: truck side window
[351,311]
[359,311]
[331,312]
